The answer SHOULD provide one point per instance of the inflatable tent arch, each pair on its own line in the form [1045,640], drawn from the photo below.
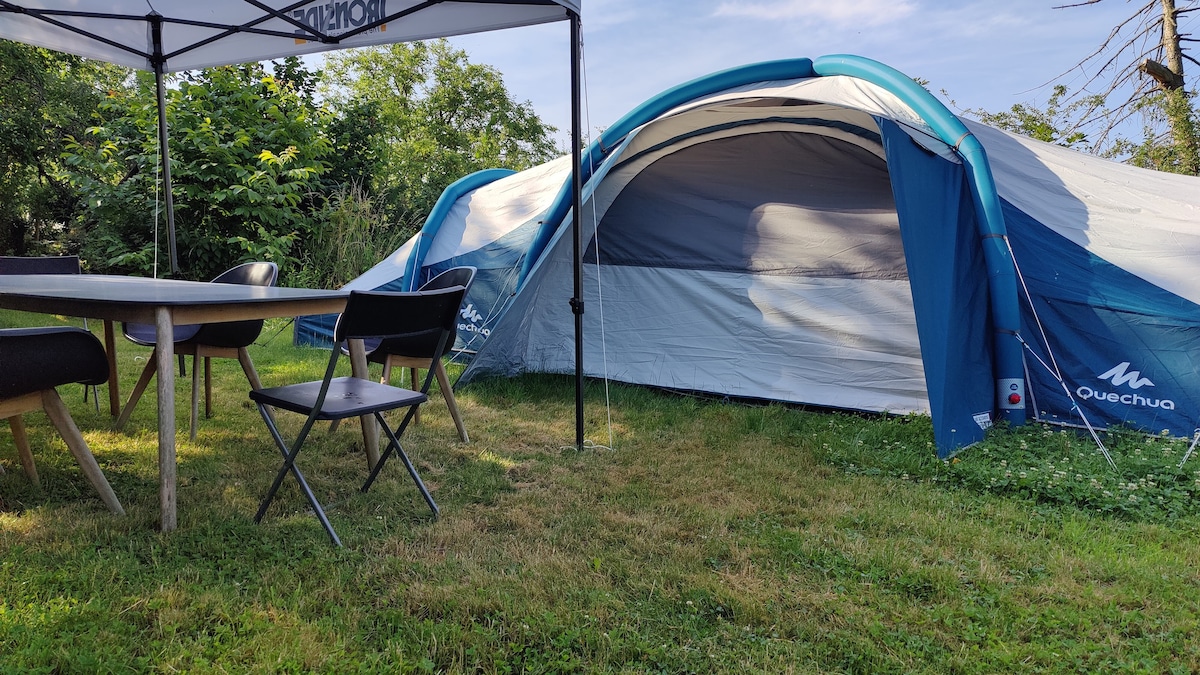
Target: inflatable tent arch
[959,269]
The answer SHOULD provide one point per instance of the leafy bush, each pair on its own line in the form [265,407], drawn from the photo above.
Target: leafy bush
[246,151]
[428,117]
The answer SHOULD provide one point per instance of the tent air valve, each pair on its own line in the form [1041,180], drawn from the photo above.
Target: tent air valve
[1011,393]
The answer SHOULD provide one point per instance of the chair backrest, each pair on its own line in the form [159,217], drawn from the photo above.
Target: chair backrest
[250,274]
[52,264]
[455,276]
[238,334]
[422,346]
[34,359]
[427,317]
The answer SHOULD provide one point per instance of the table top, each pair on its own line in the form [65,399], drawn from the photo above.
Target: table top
[135,298]
[146,291]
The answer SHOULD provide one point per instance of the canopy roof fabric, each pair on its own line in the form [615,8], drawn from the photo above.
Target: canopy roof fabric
[204,33]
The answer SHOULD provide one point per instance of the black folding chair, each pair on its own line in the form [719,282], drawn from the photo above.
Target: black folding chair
[368,315]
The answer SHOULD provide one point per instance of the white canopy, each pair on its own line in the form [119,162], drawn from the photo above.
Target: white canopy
[203,33]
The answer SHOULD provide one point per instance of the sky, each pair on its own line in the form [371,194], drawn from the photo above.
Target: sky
[984,54]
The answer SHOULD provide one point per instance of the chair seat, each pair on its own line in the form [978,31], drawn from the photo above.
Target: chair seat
[36,359]
[347,397]
[144,334]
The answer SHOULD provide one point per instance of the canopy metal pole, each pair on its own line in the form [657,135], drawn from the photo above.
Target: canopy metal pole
[157,59]
[576,219]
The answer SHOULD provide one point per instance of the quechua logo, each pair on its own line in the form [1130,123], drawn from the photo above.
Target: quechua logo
[474,321]
[1120,374]
[1122,378]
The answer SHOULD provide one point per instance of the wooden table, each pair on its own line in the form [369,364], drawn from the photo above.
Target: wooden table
[167,303]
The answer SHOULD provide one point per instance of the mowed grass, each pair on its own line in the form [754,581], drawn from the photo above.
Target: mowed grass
[705,537]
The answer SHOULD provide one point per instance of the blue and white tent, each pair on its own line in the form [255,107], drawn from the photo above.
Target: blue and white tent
[826,232]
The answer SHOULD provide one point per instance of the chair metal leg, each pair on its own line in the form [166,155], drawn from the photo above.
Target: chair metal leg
[289,465]
[394,444]
[95,395]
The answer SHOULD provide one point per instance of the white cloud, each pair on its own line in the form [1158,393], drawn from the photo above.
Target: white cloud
[859,13]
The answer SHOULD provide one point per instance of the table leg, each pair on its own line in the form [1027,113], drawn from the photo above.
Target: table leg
[164,342]
[358,367]
[114,385]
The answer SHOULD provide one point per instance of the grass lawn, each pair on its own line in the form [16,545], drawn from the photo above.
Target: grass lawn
[704,537]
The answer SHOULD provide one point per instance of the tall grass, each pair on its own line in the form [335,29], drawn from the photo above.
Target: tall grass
[350,235]
[709,538]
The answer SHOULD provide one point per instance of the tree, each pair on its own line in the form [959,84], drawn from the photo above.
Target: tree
[436,117]
[247,151]
[1141,64]
[1051,124]
[45,97]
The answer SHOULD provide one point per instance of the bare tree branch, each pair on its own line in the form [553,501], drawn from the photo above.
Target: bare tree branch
[1141,56]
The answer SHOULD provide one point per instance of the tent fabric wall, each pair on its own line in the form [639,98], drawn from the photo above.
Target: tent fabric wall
[486,220]
[703,210]
[949,287]
[1124,348]
[820,240]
